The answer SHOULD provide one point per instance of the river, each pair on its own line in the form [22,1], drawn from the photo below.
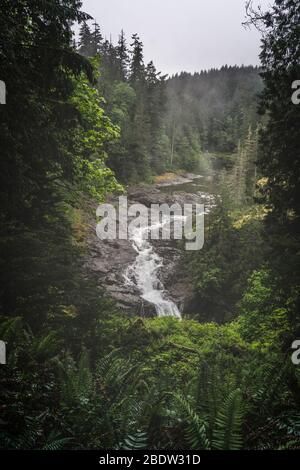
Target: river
[144,276]
[144,272]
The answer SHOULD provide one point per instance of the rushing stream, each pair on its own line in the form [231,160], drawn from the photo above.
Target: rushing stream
[143,273]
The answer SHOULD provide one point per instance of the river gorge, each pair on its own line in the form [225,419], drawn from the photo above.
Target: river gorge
[144,276]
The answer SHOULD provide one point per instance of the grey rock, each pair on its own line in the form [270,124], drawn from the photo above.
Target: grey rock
[107,260]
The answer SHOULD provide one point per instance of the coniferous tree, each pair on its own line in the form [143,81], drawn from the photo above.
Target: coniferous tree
[137,68]
[122,57]
[279,145]
[86,47]
[96,39]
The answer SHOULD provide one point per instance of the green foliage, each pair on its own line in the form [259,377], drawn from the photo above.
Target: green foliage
[167,124]
[164,384]
[220,271]
[91,135]
[264,314]
[136,441]
[227,434]
[134,100]
[76,382]
[226,430]
[195,428]
[279,146]
[56,443]
[211,110]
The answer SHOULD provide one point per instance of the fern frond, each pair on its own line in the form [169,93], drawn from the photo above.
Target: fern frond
[10,327]
[115,374]
[196,434]
[227,433]
[136,441]
[76,382]
[293,444]
[46,346]
[56,443]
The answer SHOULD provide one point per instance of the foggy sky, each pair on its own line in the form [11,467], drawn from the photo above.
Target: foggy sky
[178,35]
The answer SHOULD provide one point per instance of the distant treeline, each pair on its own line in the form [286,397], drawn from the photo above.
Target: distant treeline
[169,123]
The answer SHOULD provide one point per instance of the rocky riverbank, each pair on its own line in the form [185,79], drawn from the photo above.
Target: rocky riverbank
[108,259]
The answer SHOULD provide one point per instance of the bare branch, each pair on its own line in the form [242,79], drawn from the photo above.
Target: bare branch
[254,17]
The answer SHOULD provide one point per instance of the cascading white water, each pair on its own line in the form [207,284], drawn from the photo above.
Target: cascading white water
[143,273]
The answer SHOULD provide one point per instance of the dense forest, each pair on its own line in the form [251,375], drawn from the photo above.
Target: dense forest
[170,123]
[83,120]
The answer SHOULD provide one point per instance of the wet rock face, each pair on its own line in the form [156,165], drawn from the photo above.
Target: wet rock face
[107,260]
[106,263]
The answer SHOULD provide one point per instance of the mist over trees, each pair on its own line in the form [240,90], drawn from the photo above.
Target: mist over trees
[170,123]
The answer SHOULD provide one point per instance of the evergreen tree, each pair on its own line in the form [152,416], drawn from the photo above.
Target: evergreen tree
[137,68]
[122,57]
[40,152]
[86,46]
[279,144]
[96,39]
[219,105]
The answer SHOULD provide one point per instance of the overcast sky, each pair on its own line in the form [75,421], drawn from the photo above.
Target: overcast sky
[181,35]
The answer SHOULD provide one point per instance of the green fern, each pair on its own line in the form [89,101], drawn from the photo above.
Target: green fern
[115,375]
[76,382]
[11,328]
[208,392]
[55,443]
[29,437]
[226,428]
[45,347]
[227,432]
[136,441]
[293,444]
[196,434]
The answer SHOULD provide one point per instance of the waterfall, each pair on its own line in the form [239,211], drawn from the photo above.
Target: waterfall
[143,273]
